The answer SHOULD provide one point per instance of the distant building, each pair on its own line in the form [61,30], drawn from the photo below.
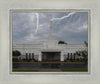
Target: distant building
[50,50]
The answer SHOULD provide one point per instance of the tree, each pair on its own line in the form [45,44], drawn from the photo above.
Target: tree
[78,53]
[86,51]
[16,53]
[86,44]
[74,56]
[85,54]
[62,42]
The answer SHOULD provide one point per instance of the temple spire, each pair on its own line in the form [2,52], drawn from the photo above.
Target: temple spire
[50,34]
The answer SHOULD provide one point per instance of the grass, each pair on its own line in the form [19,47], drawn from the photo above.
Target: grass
[63,70]
[24,70]
[75,70]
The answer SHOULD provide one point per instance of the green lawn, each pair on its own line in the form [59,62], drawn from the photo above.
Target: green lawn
[24,70]
[63,70]
[74,70]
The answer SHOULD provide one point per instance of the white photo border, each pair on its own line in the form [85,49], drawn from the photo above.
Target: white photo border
[49,11]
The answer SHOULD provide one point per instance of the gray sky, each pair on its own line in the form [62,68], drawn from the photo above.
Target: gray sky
[33,28]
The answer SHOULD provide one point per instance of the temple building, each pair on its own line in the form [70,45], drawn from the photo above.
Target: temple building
[49,50]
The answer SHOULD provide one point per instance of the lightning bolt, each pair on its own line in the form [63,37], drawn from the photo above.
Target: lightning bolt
[37,23]
[63,17]
[37,16]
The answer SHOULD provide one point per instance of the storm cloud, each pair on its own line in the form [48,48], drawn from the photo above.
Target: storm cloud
[73,29]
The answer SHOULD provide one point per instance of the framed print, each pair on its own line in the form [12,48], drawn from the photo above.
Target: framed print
[49,42]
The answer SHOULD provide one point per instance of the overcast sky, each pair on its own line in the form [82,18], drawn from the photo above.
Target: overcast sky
[33,28]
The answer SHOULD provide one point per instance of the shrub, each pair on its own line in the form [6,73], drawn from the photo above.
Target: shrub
[16,53]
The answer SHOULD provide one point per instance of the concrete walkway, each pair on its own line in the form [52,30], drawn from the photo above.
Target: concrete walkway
[50,70]
[41,70]
[53,62]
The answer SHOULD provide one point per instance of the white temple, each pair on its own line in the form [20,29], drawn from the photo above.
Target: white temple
[50,50]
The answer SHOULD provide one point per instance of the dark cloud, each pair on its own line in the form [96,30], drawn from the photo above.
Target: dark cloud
[72,29]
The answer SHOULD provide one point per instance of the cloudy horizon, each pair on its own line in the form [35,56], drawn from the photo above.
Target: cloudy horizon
[33,28]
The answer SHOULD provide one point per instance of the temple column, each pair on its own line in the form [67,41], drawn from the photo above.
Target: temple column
[62,57]
[40,57]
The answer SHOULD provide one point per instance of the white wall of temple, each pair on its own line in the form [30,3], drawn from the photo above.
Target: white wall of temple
[32,47]
[35,48]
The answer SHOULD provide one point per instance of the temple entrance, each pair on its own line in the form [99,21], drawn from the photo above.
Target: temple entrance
[50,56]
